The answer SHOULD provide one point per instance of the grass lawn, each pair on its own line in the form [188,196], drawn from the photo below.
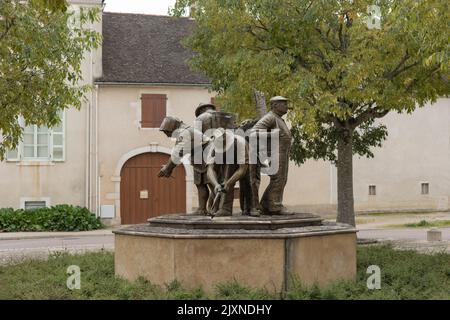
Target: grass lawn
[404,275]
[422,224]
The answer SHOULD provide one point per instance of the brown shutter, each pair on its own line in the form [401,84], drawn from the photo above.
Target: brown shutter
[153,110]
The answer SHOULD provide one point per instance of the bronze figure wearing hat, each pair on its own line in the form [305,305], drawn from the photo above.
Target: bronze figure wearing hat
[272,199]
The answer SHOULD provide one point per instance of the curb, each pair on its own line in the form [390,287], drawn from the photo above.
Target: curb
[46,235]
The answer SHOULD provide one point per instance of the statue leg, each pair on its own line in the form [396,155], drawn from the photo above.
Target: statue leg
[272,199]
[226,203]
[245,196]
[202,190]
[203,195]
[255,181]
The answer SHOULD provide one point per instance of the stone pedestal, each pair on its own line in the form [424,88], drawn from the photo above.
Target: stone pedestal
[262,252]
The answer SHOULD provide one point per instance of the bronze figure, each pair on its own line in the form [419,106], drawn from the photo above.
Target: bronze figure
[185,144]
[227,163]
[272,199]
[249,184]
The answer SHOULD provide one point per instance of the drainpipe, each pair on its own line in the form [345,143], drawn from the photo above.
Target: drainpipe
[97,169]
[88,125]
[91,137]
[88,145]
[331,184]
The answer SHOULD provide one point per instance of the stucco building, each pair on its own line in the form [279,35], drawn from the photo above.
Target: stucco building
[106,155]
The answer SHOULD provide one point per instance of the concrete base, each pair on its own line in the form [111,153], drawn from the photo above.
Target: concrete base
[255,258]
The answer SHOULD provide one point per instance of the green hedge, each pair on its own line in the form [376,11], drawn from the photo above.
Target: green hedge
[57,218]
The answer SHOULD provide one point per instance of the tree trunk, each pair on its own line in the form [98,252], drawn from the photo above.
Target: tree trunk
[260,102]
[346,211]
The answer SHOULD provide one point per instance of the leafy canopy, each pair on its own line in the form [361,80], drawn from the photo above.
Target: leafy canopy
[339,72]
[42,46]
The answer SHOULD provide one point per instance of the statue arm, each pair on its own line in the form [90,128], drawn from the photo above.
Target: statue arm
[167,169]
[265,123]
[175,158]
[237,175]
[212,177]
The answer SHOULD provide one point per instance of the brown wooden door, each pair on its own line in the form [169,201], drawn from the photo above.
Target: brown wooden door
[143,195]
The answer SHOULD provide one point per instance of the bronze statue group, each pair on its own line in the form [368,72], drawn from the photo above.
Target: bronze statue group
[221,156]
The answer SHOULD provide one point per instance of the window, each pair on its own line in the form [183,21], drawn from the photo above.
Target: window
[153,110]
[36,141]
[40,143]
[425,188]
[31,205]
[372,190]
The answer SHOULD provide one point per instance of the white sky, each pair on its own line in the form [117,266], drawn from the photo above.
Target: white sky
[159,7]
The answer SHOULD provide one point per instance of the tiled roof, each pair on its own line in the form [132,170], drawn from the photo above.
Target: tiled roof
[140,48]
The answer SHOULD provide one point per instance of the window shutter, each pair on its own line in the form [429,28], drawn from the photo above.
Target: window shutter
[153,110]
[13,155]
[57,140]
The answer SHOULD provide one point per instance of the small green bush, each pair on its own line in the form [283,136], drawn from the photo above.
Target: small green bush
[57,218]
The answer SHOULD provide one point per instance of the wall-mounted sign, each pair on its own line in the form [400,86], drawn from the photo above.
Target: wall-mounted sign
[143,194]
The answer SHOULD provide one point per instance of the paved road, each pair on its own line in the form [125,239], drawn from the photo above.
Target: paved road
[16,250]
[401,234]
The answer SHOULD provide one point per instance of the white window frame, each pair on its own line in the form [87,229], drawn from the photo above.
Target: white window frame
[50,136]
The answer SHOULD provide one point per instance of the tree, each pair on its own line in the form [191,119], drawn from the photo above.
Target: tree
[42,46]
[341,71]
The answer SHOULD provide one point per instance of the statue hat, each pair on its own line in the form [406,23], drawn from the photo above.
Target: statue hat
[278,98]
[203,106]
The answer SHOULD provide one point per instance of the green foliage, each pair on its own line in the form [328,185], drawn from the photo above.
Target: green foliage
[57,218]
[234,290]
[339,73]
[323,143]
[404,275]
[42,46]
[422,224]
[54,5]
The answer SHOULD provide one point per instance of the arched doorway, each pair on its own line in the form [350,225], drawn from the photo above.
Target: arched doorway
[143,195]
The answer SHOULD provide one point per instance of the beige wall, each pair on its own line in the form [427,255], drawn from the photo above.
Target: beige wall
[417,150]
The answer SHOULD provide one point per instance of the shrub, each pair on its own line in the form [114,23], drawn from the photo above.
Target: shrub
[57,218]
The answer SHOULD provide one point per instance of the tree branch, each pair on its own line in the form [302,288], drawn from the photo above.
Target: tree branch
[341,39]
[415,81]
[9,26]
[328,65]
[371,113]
[325,37]
[393,73]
